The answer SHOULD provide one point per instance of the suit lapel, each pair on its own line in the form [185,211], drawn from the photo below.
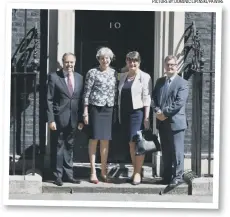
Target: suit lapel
[123,78]
[62,80]
[162,89]
[172,87]
[137,78]
[75,83]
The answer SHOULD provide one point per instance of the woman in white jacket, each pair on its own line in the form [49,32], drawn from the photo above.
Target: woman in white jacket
[135,88]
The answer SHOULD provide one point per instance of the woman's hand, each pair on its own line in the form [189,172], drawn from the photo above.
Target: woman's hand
[86,119]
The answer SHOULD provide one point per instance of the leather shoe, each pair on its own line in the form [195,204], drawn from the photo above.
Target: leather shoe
[74,181]
[176,182]
[58,182]
[129,179]
[162,182]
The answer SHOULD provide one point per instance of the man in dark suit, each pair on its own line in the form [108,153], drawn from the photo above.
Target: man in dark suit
[170,96]
[64,111]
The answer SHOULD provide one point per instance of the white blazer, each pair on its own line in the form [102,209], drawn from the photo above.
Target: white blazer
[141,90]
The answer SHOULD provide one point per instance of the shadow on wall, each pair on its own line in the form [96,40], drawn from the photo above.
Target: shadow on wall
[24,65]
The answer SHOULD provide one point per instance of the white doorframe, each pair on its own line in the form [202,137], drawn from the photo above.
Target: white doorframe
[169,30]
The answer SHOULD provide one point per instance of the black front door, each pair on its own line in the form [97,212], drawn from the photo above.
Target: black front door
[122,31]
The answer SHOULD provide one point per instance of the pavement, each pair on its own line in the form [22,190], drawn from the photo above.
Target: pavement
[40,183]
[114,197]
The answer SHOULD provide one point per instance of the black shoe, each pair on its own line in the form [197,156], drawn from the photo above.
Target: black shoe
[74,181]
[163,182]
[175,182]
[58,182]
[129,179]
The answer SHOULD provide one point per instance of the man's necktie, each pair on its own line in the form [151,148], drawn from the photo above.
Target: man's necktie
[165,91]
[69,84]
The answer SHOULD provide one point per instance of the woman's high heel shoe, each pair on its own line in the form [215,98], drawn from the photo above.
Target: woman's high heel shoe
[137,182]
[94,181]
[104,178]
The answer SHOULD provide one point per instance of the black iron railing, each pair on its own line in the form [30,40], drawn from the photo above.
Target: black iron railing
[194,70]
[23,89]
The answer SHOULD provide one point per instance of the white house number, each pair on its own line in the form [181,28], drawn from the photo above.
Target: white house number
[115,25]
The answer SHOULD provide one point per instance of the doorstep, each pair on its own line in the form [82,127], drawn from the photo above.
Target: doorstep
[117,186]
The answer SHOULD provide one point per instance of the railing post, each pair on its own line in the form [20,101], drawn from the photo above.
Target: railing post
[14,115]
[198,68]
[24,99]
[210,99]
[35,66]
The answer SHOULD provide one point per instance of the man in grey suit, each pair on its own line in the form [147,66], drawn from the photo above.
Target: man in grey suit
[170,96]
[64,112]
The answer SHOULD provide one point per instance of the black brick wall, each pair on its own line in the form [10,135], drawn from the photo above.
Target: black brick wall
[203,22]
[18,33]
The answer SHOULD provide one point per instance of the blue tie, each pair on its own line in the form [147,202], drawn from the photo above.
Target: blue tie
[165,92]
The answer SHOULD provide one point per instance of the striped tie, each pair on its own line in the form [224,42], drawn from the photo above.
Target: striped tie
[165,91]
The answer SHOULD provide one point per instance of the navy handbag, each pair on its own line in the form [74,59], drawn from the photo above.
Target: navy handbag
[146,141]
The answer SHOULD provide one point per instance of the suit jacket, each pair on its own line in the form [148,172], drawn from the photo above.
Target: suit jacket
[141,89]
[174,106]
[61,107]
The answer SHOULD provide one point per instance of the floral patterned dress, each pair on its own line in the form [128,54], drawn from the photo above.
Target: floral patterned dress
[100,94]
[100,87]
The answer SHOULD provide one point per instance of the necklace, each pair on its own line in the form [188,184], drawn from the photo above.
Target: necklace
[131,78]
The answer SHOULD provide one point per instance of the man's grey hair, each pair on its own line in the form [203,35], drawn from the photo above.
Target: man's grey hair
[170,57]
[68,54]
[105,51]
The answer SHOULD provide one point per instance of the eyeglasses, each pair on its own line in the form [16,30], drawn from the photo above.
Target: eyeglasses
[171,65]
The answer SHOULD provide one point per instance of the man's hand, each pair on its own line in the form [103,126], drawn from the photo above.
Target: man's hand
[146,123]
[80,126]
[161,116]
[53,126]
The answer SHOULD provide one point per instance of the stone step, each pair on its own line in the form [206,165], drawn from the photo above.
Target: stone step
[117,186]
[119,174]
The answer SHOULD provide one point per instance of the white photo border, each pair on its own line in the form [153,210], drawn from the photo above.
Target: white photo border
[135,7]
